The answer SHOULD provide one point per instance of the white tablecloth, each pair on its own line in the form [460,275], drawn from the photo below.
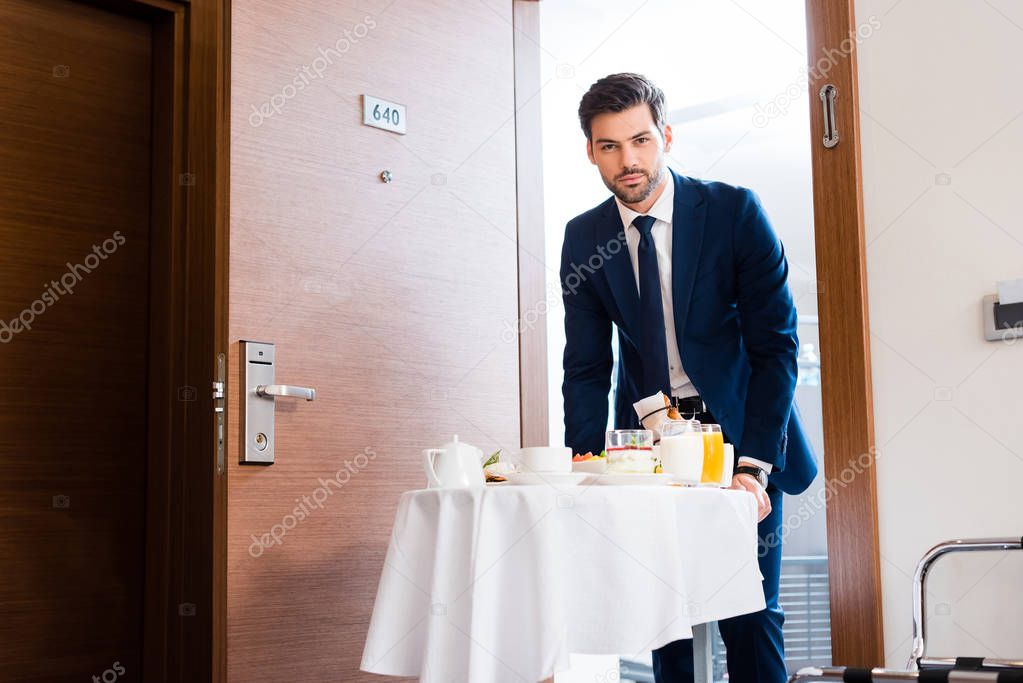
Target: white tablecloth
[502,583]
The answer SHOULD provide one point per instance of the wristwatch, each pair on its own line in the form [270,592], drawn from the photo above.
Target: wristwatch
[757,472]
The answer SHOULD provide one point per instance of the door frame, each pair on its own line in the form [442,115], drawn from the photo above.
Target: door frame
[854,556]
[184,604]
[857,636]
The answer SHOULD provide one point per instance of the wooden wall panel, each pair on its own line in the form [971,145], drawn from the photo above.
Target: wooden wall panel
[390,299]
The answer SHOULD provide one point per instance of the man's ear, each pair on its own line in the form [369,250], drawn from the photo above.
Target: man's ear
[589,151]
[667,137]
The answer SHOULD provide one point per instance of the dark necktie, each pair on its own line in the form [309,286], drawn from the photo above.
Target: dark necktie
[653,348]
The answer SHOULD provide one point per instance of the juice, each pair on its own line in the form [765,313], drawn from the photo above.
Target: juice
[713,457]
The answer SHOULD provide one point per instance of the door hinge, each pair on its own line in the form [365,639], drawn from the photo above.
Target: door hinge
[219,400]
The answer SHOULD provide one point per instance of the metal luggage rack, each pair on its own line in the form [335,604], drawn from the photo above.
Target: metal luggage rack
[920,666]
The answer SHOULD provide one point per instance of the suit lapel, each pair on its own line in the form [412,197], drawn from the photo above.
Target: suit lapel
[687,227]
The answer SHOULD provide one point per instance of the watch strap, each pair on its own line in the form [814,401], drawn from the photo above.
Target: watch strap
[756,472]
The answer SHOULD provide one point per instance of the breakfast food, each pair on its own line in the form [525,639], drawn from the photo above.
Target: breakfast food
[495,469]
[631,451]
[631,460]
[589,456]
[498,470]
[590,463]
[673,413]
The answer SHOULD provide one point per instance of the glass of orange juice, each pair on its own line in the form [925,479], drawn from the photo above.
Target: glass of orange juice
[713,454]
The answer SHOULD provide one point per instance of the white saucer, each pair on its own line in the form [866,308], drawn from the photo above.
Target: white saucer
[591,466]
[546,478]
[652,479]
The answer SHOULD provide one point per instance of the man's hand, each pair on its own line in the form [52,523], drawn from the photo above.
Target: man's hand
[747,482]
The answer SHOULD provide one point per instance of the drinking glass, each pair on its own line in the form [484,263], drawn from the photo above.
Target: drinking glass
[682,450]
[629,440]
[713,454]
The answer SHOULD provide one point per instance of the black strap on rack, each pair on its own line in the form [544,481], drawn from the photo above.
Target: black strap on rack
[945,675]
[852,675]
[969,663]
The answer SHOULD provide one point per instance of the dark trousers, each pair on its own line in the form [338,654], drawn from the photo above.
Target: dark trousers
[754,642]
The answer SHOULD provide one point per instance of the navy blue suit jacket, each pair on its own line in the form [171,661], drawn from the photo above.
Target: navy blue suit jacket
[734,320]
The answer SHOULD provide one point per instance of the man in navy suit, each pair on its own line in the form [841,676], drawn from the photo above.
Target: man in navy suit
[696,282]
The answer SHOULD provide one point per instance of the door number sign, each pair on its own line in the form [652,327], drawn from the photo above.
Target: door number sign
[383,114]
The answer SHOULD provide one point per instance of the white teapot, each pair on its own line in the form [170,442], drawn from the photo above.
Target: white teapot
[456,465]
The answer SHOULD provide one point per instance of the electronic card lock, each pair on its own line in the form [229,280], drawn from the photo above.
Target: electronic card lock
[259,401]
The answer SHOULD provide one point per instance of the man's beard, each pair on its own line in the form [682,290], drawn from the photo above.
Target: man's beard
[636,194]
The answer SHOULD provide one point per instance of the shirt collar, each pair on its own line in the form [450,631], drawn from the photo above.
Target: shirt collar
[663,209]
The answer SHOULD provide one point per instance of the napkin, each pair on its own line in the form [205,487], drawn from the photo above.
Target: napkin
[652,411]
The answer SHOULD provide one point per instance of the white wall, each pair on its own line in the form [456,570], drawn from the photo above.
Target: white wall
[940,94]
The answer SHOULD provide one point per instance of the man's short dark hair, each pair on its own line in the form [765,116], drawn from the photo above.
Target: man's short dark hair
[619,92]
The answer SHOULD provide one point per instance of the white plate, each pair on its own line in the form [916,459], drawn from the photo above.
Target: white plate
[546,478]
[592,466]
[651,479]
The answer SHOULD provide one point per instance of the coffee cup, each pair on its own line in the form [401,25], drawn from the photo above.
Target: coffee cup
[546,459]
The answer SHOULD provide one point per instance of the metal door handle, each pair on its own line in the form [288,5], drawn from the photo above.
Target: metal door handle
[259,402]
[828,95]
[308,393]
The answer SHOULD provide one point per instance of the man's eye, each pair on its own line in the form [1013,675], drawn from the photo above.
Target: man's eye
[607,148]
[642,140]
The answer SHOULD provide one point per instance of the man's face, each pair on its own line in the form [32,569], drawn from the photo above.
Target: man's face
[628,150]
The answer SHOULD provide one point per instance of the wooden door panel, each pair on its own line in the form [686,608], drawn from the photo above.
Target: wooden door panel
[390,299]
[75,174]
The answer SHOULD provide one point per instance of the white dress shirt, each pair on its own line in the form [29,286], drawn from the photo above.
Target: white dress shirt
[663,211]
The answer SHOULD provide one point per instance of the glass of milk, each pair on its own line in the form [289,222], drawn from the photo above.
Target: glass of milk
[682,450]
